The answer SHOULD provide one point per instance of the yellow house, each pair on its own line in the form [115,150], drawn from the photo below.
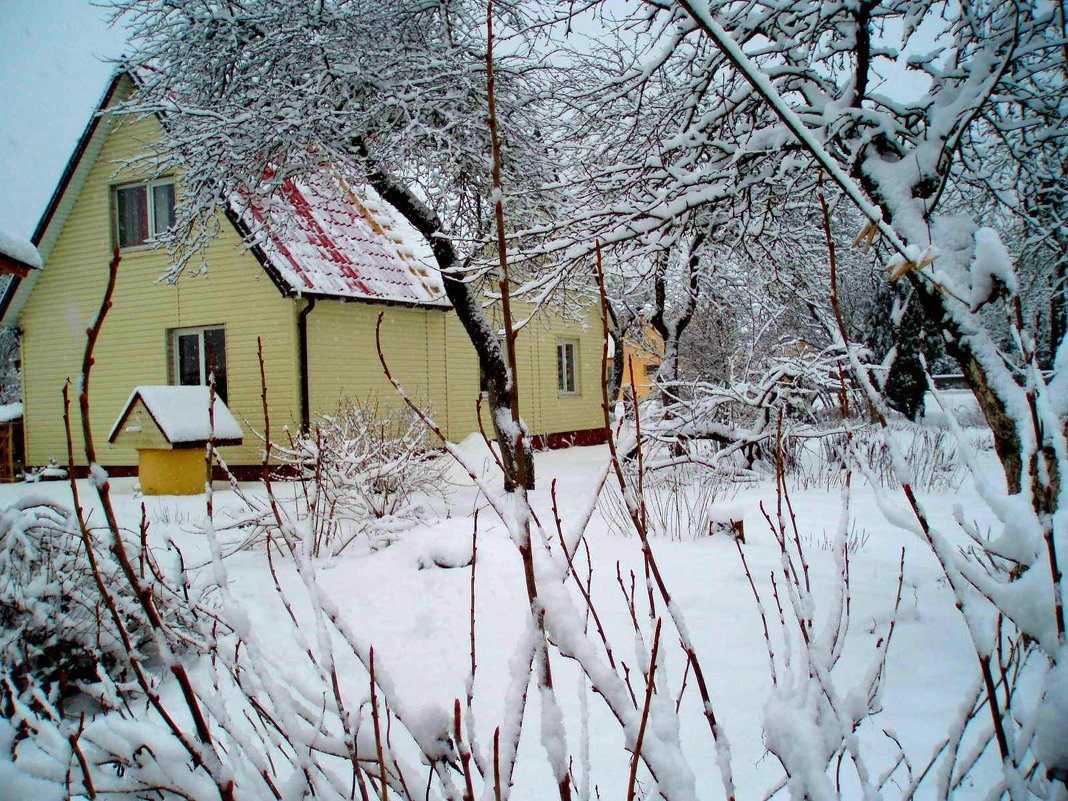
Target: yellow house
[311,291]
[642,354]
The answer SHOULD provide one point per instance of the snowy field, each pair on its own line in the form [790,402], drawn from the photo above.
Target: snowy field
[408,597]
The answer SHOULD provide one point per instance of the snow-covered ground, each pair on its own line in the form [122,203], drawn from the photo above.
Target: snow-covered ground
[410,601]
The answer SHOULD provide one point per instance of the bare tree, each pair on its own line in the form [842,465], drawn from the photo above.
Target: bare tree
[392,94]
[780,88]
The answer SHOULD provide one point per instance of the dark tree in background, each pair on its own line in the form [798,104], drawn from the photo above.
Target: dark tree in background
[906,382]
[10,368]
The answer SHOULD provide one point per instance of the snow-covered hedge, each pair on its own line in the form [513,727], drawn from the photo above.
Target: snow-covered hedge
[56,627]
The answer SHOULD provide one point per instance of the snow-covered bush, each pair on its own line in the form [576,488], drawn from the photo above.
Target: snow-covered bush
[358,470]
[55,626]
[685,502]
[745,428]
[372,462]
[932,456]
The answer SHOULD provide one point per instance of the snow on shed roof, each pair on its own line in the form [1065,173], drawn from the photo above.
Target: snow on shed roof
[325,239]
[181,413]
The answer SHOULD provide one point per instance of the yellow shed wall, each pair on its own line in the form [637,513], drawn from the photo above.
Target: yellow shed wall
[233,292]
[173,472]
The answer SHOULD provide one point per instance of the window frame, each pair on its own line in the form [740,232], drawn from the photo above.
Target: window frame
[175,360]
[150,210]
[561,345]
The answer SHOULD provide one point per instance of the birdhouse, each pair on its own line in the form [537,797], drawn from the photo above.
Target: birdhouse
[170,428]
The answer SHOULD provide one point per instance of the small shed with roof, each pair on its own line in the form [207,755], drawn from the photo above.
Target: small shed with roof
[170,428]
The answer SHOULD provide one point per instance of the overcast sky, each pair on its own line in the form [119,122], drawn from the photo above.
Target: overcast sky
[52,74]
[53,71]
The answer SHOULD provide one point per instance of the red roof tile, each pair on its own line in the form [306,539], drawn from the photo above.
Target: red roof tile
[325,239]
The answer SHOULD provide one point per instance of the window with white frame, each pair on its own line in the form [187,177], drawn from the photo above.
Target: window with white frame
[143,211]
[567,366]
[196,353]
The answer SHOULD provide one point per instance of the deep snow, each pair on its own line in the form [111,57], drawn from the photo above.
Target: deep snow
[414,611]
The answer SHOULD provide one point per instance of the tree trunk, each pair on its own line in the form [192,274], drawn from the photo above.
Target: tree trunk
[518,462]
[619,357]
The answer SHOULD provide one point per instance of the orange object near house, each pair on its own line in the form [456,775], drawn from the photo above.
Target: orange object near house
[643,355]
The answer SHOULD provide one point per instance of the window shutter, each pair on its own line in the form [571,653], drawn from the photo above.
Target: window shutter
[168,346]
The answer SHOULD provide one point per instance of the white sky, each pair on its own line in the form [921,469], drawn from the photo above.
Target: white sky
[51,77]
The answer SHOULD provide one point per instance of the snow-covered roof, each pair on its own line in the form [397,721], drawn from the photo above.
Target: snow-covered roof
[181,414]
[11,411]
[19,251]
[323,238]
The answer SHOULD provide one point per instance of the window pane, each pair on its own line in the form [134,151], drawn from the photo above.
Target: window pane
[162,207]
[131,207]
[189,359]
[565,367]
[215,358]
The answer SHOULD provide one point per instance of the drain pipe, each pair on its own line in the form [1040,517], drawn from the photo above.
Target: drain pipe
[302,337]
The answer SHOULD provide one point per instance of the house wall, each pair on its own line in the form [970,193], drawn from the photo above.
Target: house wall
[428,351]
[645,357]
[431,356]
[234,292]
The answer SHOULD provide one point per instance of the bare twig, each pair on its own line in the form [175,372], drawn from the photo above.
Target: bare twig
[650,688]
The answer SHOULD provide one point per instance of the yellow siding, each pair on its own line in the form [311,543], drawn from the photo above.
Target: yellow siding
[234,292]
[343,360]
[545,409]
[431,356]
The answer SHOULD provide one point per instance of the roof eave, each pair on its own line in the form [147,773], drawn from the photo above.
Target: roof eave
[404,304]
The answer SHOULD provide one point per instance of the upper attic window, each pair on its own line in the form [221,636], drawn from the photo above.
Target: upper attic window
[142,211]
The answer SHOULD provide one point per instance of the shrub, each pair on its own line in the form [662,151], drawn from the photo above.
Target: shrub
[55,630]
[682,503]
[357,469]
